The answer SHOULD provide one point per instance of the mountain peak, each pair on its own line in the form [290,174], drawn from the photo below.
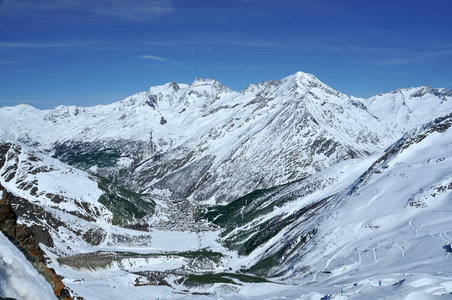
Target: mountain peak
[419,91]
[206,81]
[302,75]
[302,79]
[428,89]
[173,85]
[202,88]
[298,79]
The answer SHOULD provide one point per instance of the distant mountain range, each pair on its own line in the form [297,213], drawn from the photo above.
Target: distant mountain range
[288,184]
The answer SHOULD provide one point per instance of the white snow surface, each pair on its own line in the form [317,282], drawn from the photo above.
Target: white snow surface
[67,194]
[18,278]
[388,234]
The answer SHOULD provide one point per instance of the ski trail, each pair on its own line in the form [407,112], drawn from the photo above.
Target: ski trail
[375,255]
[414,228]
[335,256]
[370,257]
[401,249]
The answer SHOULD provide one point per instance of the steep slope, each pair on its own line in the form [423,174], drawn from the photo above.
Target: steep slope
[268,227]
[365,228]
[203,141]
[63,204]
[54,215]
[383,228]
[393,224]
[26,239]
[277,132]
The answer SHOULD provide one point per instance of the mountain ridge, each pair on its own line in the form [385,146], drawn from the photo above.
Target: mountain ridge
[159,135]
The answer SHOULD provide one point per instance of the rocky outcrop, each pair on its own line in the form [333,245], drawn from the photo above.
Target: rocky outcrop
[24,239]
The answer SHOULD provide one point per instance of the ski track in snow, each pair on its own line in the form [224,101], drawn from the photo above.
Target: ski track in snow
[414,228]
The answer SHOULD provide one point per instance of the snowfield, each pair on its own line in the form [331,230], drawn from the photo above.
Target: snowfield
[18,278]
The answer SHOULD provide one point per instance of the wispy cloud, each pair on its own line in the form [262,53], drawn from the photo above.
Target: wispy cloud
[133,10]
[309,44]
[399,61]
[207,41]
[47,44]
[153,57]
[250,43]
[404,56]
[324,7]
[96,45]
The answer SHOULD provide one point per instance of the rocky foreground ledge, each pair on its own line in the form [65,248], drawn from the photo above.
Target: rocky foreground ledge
[23,237]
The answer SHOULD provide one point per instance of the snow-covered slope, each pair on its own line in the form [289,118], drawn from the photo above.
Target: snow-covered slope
[49,182]
[208,143]
[267,135]
[60,207]
[46,193]
[391,227]
[203,141]
[405,109]
[19,280]
[368,228]
[63,202]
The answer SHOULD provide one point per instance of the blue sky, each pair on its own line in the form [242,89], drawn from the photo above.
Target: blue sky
[88,52]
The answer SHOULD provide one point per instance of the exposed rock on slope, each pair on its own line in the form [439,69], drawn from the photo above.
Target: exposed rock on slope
[27,240]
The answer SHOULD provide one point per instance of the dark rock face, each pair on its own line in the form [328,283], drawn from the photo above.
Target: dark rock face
[27,240]
[183,182]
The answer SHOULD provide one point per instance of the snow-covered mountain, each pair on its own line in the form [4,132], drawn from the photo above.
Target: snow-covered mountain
[203,141]
[207,143]
[196,189]
[404,109]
